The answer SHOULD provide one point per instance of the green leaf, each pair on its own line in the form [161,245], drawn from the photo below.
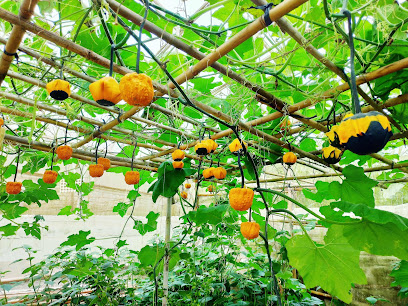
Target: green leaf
[9,229]
[150,226]
[356,188]
[208,215]
[79,240]
[121,208]
[333,266]
[400,275]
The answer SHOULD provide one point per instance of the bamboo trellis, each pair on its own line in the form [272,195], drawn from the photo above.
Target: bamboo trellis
[21,25]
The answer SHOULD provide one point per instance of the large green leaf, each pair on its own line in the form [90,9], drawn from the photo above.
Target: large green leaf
[333,266]
[207,215]
[356,188]
[79,240]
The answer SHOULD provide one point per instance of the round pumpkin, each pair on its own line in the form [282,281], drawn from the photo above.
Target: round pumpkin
[178,165]
[365,133]
[250,230]
[184,195]
[96,170]
[331,155]
[208,173]
[289,158]
[13,187]
[212,145]
[235,146]
[105,162]
[178,155]
[1,121]
[132,177]
[241,198]
[220,173]
[136,89]
[202,148]
[187,186]
[58,89]
[50,176]
[64,152]
[105,91]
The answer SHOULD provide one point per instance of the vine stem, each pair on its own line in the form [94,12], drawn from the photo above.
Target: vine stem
[18,160]
[305,208]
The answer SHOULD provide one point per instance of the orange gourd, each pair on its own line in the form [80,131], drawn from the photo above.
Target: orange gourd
[178,165]
[105,162]
[64,152]
[105,91]
[1,121]
[250,230]
[220,173]
[210,188]
[50,176]
[289,158]
[178,155]
[285,124]
[241,198]
[96,170]
[212,145]
[58,89]
[184,195]
[13,187]
[136,89]
[188,186]
[132,177]
[208,173]
[235,146]
[203,148]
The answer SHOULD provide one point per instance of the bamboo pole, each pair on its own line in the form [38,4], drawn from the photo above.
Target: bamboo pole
[16,36]
[80,154]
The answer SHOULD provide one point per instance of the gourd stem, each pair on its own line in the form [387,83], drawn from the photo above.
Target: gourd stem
[66,131]
[133,156]
[112,57]
[240,169]
[140,34]
[52,159]
[18,160]
[353,85]
[96,151]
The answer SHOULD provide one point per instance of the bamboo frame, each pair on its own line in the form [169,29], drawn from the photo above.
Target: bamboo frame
[246,126]
[16,36]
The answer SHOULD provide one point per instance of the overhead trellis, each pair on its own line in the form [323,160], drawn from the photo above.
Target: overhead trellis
[231,67]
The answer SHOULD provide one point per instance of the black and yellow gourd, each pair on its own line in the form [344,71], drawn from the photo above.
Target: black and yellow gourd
[331,155]
[364,133]
[59,89]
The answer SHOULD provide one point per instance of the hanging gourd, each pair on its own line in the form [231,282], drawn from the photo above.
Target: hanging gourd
[235,146]
[289,158]
[132,177]
[105,162]
[331,155]
[184,195]
[202,148]
[136,89]
[362,133]
[64,152]
[178,155]
[250,230]
[58,89]
[178,165]
[241,198]
[219,173]
[210,188]
[1,122]
[208,173]
[105,91]
[212,145]
[365,133]
[50,176]
[13,187]
[96,170]
[187,186]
